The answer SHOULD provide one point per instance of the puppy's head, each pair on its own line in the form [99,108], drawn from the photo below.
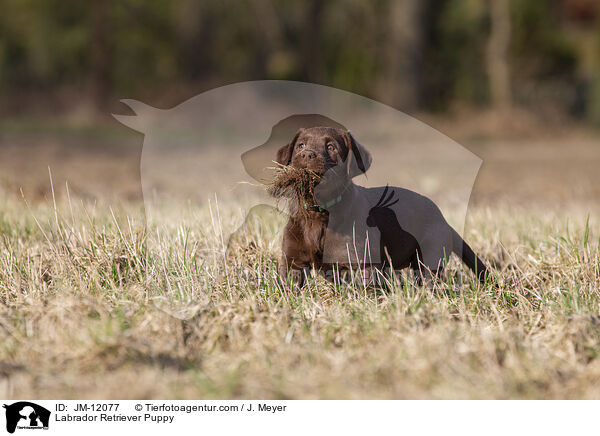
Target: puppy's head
[325,150]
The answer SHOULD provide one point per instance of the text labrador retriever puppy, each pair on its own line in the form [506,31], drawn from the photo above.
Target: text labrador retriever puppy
[347,226]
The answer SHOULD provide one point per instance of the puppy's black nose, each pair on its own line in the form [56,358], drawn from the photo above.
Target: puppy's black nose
[308,155]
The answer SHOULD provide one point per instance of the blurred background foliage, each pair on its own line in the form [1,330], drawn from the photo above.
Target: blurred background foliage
[539,56]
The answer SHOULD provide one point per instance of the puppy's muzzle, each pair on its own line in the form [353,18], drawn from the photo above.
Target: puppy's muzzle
[310,160]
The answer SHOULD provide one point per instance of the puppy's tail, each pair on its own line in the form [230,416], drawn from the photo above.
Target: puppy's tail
[469,257]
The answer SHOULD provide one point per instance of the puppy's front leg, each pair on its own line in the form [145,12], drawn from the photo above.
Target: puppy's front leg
[297,277]
[286,274]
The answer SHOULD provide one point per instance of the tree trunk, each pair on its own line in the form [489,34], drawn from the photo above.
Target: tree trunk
[195,30]
[310,51]
[402,56]
[497,56]
[100,56]
[269,37]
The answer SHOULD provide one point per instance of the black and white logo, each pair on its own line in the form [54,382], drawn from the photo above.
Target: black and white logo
[26,415]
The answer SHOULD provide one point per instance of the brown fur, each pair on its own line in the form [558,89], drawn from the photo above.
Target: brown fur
[332,157]
[312,151]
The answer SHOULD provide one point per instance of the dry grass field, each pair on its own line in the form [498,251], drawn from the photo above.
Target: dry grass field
[95,305]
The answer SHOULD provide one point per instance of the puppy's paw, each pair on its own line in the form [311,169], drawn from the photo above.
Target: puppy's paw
[293,279]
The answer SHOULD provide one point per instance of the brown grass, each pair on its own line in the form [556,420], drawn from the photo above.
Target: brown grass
[94,305]
[293,183]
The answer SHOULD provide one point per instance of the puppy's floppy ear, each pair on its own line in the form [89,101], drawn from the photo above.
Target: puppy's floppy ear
[358,159]
[284,154]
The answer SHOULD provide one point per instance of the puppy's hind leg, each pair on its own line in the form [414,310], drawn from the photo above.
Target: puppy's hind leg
[424,276]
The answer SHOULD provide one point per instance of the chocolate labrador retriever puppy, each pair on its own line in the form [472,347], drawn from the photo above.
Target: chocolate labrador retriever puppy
[348,226]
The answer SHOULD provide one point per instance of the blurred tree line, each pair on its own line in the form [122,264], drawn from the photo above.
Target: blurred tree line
[425,55]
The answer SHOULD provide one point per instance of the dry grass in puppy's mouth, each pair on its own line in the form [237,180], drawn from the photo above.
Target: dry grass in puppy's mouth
[294,183]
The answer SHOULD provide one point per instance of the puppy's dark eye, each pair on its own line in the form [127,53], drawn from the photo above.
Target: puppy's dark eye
[330,146]
[301,145]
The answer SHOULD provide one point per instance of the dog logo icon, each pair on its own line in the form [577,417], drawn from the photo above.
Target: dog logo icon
[26,415]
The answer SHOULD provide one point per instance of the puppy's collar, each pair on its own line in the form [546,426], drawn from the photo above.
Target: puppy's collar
[323,208]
